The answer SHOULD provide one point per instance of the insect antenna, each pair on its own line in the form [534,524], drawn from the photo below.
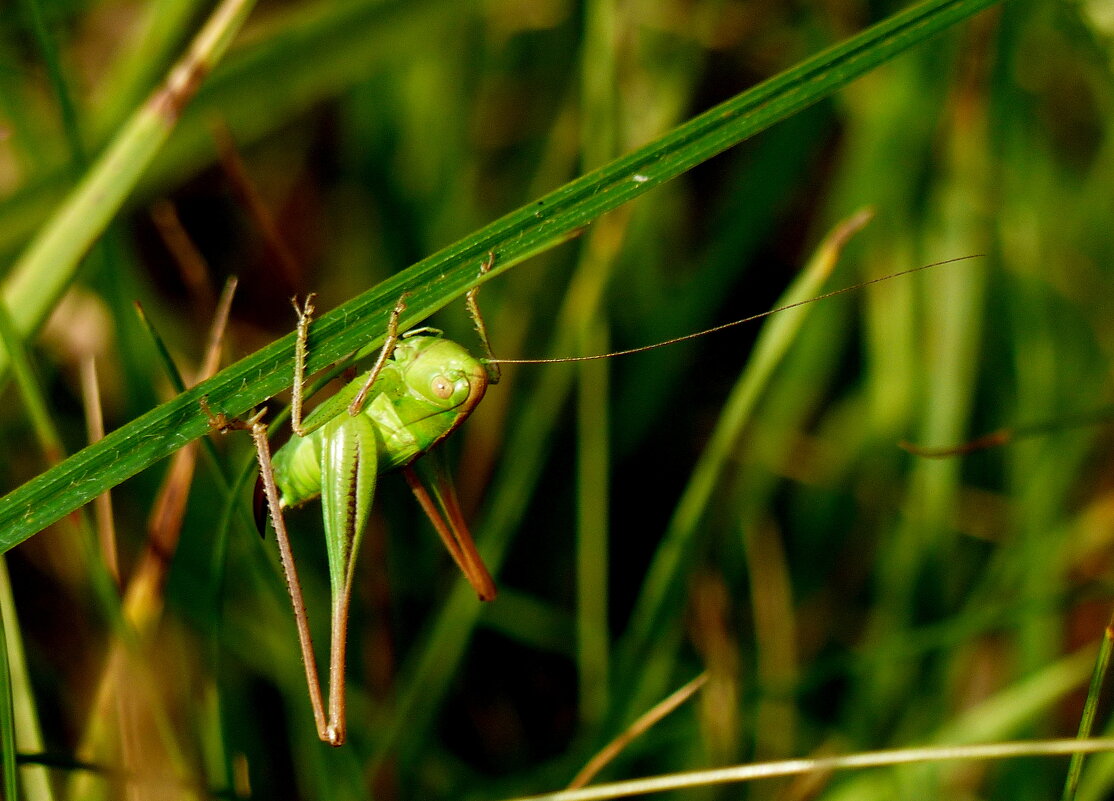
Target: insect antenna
[724,326]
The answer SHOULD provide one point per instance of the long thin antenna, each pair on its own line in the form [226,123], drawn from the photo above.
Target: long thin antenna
[751,319]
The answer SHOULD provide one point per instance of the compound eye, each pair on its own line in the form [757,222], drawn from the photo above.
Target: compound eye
[442,387]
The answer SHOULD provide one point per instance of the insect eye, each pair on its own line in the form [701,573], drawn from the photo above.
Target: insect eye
[442,387]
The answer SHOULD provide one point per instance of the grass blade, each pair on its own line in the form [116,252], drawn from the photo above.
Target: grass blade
[437,280]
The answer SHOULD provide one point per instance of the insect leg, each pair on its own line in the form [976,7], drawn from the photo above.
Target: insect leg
[491,367]
[305,314]
[326,730]
[388,348]
[443,510]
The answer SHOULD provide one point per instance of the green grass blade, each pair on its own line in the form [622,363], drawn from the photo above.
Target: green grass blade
[437,280]
[57,81]
[677,545]
[1090,710]
[326,47]
[165,26]
[36,780]
[49,263]
[7,718]
[37,408]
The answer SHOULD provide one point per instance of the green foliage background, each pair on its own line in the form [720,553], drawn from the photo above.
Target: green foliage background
[842,594]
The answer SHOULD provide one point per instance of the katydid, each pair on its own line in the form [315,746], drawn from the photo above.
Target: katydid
[421,388]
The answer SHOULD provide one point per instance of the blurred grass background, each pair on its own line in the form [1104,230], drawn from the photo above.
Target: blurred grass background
[842,594]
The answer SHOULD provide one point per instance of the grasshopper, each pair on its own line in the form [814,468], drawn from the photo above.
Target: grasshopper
[420,389]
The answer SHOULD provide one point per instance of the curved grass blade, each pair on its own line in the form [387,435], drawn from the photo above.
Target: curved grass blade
[437,280]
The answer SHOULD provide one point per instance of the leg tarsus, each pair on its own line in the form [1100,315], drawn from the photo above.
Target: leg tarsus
[219,421]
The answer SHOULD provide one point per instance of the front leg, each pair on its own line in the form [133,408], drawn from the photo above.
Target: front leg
[389,343]
[305,315]
[301,351]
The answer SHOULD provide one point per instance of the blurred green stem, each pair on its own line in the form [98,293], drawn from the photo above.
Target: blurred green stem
[49,263]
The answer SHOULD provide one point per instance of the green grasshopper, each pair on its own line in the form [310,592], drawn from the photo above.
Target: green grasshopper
[421,388]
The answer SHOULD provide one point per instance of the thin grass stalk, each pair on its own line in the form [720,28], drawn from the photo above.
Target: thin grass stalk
[640,726]
[1090,710]
[94,416]
[798,767]
[600,134]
